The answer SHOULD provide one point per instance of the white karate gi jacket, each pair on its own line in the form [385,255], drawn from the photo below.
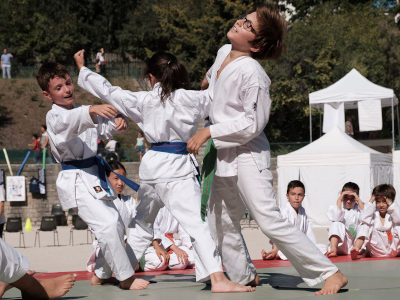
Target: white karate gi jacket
[347,217]
[175,120]
[377,240]
[166,223]
[301,221]
[126,205]
[73,136]
[239,111]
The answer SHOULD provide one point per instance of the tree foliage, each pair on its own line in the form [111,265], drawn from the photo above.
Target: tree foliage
[326,39]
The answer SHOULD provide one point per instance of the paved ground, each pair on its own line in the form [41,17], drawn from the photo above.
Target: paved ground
[368,280]
[50,258]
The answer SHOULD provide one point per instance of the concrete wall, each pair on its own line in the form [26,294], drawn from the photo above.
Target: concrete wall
[35,208]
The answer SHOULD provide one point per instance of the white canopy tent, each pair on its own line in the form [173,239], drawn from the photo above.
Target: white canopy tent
[325,165]
[396,173]
[350,90]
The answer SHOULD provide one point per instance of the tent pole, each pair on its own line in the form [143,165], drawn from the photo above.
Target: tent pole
[398,121]
[310,124]
[393,126]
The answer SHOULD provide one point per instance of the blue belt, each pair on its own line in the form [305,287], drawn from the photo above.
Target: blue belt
[176,148]
[102,166]
[170,147]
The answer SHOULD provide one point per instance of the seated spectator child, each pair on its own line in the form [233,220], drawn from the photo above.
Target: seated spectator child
[345,220]
[380,225]
[167,250]
[126,206]
[295,213]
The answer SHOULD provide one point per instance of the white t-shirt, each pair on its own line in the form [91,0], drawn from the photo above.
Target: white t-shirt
[100,57]
[111,145]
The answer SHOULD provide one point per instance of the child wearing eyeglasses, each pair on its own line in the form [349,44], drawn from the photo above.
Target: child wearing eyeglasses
[168,115]
[380,225]
[345,218]
[240,108]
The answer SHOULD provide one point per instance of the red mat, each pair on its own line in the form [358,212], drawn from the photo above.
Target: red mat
[259,264]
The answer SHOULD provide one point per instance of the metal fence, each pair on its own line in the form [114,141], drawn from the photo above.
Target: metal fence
[16,156]
[113,70]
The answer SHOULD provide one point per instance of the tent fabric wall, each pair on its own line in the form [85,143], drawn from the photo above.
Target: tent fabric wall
[325,165]
[396,173]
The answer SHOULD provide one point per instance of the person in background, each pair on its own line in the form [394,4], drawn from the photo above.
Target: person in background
[36,148]
[6,63]
[349,127]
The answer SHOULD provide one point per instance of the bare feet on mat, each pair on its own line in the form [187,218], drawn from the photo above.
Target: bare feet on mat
[59,286]
[4,287]
[354,253]
[333,284]
[221,284]
[98,281]
[255,282]
[331,253]
[134,283]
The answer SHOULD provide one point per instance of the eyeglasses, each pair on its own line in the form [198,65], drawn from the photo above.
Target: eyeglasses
[247,25]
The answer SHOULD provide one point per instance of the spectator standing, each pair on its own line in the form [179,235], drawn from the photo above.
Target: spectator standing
[6,63]
[100,62]
[44,143]
[36,148]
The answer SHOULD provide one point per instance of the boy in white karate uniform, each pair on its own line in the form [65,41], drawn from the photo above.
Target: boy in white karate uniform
[240,108]
[295,213]
[14,272]
[73,133]
[380,225]
[168,115]
[179,249]
[345,217]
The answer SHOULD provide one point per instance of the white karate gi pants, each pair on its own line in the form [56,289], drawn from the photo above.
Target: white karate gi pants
[12,264]
[104,220]
[153,263]
[255,189]
[346,241]
[377,243]
[182,199]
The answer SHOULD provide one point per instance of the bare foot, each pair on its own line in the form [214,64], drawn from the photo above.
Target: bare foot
[59,286]
[133,283]
[221,284]
[354,253]
[333,284]
[331,253]
[254,282]
[4,287]
[99,281]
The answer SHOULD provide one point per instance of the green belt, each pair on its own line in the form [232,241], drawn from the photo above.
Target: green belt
[207,174]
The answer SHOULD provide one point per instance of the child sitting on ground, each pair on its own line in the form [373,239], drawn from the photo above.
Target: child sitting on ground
[345,220]
[295,213]
[380,225]
[167,250]
[126,206]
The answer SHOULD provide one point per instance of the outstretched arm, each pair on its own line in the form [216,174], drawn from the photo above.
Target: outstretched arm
[126,102]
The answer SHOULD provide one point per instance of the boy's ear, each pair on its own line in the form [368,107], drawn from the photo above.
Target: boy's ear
[47,95]
[255,50]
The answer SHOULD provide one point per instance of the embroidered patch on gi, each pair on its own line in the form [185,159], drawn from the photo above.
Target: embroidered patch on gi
[255,106]
[97,189]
